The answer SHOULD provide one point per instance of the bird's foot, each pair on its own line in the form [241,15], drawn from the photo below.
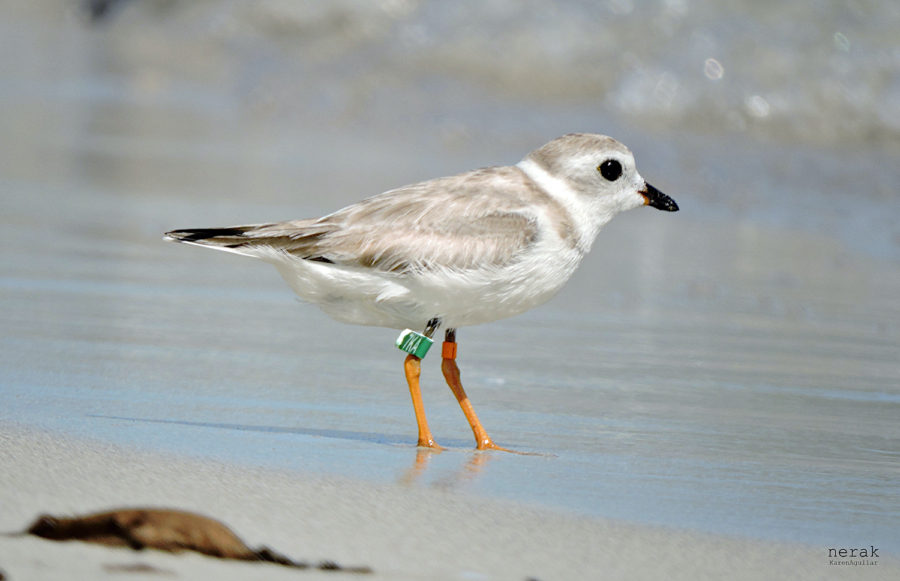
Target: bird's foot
[488,444]
[430,445]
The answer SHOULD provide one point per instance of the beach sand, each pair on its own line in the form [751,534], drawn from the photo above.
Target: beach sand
[401,532]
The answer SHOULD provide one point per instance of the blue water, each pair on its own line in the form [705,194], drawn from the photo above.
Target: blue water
[730,368]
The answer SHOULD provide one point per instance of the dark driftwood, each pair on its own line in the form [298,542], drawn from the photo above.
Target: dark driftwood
[166,530]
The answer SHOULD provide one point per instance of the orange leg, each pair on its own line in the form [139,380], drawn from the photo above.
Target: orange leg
[413,369]
[451,374]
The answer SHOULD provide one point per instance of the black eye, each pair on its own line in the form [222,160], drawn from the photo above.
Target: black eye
[610,169]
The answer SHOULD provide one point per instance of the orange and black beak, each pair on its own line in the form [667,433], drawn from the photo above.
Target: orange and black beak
[656,199]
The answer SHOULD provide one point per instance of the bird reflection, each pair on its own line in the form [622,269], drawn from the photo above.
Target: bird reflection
[471,469]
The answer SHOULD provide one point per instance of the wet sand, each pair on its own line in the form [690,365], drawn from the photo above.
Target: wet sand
[401,532]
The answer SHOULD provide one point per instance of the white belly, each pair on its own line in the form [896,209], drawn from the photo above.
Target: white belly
[365,296]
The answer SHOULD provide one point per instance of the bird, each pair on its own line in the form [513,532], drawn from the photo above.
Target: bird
[452,251]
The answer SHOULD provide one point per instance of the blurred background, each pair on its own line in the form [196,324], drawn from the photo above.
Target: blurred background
[755,111]
[732,367]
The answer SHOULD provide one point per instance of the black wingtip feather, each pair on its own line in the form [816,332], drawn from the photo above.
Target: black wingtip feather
[198,234]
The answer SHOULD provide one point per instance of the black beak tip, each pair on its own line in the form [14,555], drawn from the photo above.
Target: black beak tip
[656,199]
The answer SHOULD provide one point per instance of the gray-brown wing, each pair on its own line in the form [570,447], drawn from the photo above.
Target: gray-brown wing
[482,218]
[463,222]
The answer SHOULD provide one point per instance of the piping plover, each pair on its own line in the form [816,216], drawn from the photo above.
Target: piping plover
[453,251]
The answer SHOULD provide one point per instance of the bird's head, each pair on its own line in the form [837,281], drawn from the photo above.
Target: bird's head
[599,172]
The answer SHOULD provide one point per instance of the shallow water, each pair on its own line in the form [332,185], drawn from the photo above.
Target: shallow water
[730,368]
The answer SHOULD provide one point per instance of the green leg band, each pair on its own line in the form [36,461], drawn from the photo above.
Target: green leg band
[414,343]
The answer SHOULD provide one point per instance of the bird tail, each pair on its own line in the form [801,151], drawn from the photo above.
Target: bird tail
[265,241]
[230,239]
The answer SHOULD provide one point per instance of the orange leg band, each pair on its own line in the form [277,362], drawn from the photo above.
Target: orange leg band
[448,350]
